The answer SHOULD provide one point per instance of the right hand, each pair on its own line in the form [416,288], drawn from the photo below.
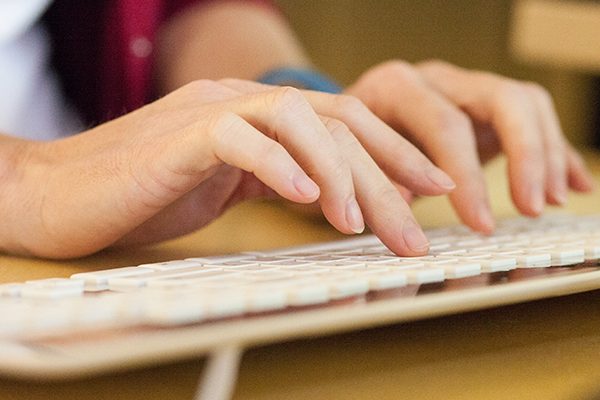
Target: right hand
[462,118]
[174,165]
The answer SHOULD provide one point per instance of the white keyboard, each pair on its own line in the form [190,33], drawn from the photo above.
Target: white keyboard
[203,290]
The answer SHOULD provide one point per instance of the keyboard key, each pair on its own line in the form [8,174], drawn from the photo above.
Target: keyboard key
[219,259]
[171,265]
[11,289]
[98,280]
[305,294]
[196,290]
[348,287]
[226,304]
[166,308]
[533,260]
[491,263]
[592,251]
[263,300]
[383,280]
[458,270]
[54,288]
[424,275]
[32,292]
[141,280]
[564,256]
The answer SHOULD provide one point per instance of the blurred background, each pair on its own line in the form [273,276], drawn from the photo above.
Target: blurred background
[524,39]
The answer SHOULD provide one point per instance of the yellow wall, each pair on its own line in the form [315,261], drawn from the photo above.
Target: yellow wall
[344,37]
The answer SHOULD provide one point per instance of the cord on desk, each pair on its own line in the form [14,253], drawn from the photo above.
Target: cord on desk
[220,374]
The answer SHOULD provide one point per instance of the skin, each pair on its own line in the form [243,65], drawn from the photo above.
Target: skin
[176,164]
[471,117]
[459,118]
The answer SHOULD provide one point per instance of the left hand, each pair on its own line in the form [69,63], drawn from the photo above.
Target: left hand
[462,118]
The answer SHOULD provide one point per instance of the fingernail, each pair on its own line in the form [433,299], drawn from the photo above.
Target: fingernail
[537,200]
[560,196]
[485,217]
[441,179]
[414,237]
[354,216]
[305,186]
[590,181]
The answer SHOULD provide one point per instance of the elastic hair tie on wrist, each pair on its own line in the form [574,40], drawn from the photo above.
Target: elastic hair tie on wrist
[301,79]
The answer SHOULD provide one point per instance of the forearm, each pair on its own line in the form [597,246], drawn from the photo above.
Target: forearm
[231,39]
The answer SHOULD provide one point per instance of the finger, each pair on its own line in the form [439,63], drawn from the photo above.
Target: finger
[402,161]
[406,194]
[556,158]
[579,177]
[443,131]
[385,211]
[508,107]
[237,143]
[285,115]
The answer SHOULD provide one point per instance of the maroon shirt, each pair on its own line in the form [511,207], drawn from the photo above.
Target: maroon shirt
[102,51]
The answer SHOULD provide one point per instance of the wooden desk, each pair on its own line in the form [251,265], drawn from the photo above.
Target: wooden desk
[539,350]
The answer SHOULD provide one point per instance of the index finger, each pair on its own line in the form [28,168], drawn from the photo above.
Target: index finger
[399,158]
[285,115]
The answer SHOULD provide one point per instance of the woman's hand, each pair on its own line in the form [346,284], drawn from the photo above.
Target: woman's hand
[462,118]
[176,164]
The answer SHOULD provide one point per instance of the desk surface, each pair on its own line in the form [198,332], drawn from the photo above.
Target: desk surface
[561,34]
[545,349]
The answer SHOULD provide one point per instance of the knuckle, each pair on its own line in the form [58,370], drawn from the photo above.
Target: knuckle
[229,81]
[222,128]
[338,169]
[557,161]
[539,92]
[556,148]
[203,90]
[411,164]
[225,121]
[289,105]
[346,142]
[386,194]
[559,146]
[201,86]
[268,155]
[510,91]
[350,106]
[337,128]
[400,69]
[526,148]
[454,123]
[288,98]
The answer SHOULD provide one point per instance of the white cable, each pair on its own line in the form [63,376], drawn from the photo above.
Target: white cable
[220,374]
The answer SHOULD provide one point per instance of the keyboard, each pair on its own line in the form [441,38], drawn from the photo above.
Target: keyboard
[97,321]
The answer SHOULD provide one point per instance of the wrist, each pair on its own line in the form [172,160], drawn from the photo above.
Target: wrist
[16,208]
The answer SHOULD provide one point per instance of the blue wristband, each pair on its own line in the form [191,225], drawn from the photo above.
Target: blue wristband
[300,78]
